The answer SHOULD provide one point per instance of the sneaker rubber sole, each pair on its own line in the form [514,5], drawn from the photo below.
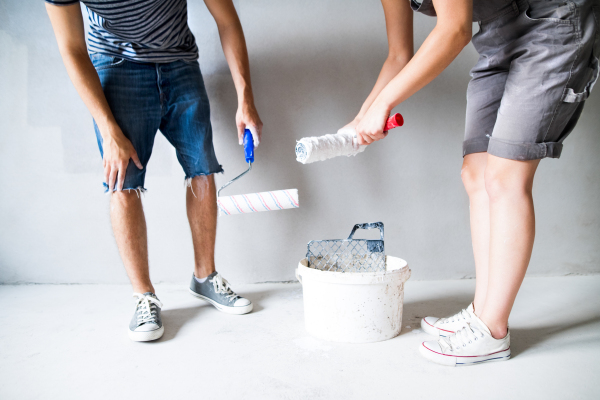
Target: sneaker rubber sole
[432,330]
[146,336]
[228,310]
[462,361]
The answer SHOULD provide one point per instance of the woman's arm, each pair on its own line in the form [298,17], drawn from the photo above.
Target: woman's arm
[234,48]
[399,28]
[67,23]
[451,34]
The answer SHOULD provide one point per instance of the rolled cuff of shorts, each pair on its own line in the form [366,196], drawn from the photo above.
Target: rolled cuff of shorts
[523,151]
[478,145]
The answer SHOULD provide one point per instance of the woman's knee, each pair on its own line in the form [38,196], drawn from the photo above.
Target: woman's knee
[472,175]
[506,179]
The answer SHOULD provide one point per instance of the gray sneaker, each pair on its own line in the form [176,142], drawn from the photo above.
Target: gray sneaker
[215,289]
[146,324]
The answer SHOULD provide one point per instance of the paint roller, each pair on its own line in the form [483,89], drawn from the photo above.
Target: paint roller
[311,149]
[255,202]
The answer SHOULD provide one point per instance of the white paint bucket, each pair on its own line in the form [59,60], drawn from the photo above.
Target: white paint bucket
[354,307]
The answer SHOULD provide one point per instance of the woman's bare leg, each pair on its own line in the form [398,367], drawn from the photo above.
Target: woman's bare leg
[472,174]
[512,230]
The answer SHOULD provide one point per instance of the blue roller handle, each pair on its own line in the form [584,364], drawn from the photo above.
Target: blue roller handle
[248,146]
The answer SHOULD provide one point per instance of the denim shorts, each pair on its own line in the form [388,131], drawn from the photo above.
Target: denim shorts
[538,62]
[170,97]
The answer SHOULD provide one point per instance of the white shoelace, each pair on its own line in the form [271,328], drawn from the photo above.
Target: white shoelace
[462,315]
[146,308]
[461,338]
[221,286]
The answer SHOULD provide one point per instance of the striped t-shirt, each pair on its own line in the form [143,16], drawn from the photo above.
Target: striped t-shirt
[139,30]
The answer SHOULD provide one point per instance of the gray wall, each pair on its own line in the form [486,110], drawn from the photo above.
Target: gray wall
[313,63]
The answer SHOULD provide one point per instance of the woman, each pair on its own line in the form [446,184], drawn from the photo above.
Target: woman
[537,66]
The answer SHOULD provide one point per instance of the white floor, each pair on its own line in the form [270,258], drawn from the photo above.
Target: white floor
[70,342]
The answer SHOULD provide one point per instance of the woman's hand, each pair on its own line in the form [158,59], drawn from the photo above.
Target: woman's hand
[370,128]
[247,117]
[117,152]
[351,126]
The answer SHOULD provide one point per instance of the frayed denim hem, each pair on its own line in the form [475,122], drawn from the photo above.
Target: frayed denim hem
[139,190]
[187,182]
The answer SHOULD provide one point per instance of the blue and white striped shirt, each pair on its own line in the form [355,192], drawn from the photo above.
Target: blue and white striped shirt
[139,30]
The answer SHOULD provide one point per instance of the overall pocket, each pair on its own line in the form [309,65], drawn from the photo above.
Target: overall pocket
[560,12]
[569,95]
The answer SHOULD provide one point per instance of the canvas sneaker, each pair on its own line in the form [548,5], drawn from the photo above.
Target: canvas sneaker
[442,327]
[216,290]
[146,324]
[470,345]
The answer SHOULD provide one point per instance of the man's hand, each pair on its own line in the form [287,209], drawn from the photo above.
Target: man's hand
[370,128]
[67,23]
[117,152]
[247,117]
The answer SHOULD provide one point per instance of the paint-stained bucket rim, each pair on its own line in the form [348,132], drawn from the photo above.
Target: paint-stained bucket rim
[396,270]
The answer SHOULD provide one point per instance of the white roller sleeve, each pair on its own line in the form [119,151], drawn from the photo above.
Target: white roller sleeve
[311,149]
[256,202]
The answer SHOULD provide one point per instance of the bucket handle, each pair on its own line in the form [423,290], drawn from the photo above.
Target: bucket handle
[368,225]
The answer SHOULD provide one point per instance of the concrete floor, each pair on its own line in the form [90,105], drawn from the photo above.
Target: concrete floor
[70,342]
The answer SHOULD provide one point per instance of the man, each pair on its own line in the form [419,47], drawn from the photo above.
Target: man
[142,75]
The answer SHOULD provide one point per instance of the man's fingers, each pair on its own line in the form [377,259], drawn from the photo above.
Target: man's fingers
[136,160]
[255,135]
[240,128]
[121,177]
[106,172]
[112,178]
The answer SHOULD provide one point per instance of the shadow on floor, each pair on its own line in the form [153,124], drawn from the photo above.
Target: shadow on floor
[522,339]
[175,318]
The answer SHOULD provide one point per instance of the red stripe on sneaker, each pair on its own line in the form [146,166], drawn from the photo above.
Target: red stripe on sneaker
[448,355]
[434,327]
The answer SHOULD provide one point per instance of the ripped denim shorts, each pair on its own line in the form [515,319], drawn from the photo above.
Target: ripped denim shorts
[170,97]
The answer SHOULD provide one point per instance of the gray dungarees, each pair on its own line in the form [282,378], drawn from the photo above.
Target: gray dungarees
[538,62]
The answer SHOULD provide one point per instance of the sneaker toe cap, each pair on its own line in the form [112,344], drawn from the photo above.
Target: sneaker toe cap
[430,320]
[433,346]
[147,327]
[243,302]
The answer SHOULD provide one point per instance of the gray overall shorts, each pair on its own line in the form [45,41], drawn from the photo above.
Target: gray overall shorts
[538,62]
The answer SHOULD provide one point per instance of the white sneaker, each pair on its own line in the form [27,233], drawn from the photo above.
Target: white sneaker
[470,345]
[447,326]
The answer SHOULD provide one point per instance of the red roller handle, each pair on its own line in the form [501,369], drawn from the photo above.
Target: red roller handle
[394,121]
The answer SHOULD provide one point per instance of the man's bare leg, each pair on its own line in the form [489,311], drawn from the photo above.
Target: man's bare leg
[472,174]
[129,227]
[201,201]
[512,231]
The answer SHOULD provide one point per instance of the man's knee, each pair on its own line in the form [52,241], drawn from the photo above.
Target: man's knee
[126,198]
